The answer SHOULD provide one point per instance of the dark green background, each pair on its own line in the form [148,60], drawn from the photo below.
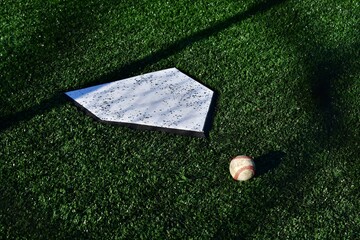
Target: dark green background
[287,78]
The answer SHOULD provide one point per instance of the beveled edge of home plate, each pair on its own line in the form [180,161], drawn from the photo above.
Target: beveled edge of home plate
[200,133]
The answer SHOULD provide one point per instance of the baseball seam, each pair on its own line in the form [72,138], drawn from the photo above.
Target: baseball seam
[238,172]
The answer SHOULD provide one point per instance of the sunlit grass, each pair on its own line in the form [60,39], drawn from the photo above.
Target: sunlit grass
[286,74]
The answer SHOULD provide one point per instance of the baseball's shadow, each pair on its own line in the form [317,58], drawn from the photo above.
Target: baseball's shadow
[268,162]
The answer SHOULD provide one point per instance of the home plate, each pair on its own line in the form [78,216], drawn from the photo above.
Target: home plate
[166,100]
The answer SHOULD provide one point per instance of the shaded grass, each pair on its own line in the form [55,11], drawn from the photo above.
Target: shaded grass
[286,75]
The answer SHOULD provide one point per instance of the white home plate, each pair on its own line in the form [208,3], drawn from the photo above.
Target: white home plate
[165,100]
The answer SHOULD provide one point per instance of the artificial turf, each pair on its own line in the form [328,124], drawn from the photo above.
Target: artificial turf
[286,73]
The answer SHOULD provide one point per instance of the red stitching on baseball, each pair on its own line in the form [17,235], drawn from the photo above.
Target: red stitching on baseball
[237,174]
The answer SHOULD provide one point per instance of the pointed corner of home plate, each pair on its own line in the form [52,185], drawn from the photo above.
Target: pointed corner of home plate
[166,100]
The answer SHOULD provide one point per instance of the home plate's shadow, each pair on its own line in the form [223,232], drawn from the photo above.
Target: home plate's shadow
[268,162]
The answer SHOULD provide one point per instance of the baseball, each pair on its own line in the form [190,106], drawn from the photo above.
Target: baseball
[242,168]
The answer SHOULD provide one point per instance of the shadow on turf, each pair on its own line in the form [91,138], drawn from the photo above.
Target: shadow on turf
[58,31]
[318,94]
[268,162]
[325,84]
[133,67]
[183,43]
[321,93]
